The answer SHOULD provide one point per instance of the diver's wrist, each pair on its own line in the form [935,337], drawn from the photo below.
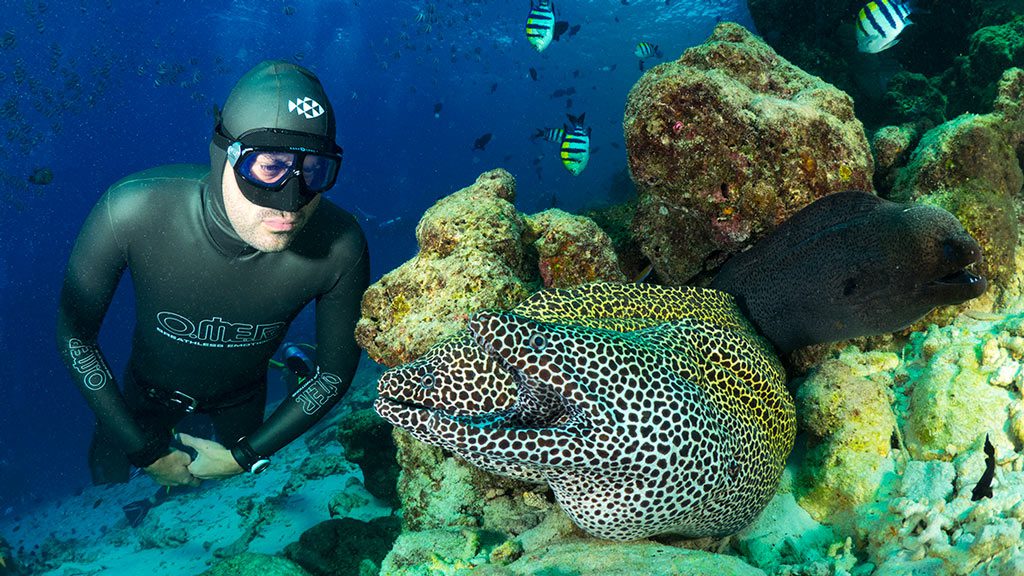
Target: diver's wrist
[247,457]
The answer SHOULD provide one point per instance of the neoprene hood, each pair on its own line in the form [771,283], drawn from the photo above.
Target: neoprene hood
[278,94]
[272,95]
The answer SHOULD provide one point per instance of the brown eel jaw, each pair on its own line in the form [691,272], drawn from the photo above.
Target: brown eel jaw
[959,284]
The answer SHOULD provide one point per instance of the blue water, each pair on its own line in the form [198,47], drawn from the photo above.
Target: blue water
[95,90]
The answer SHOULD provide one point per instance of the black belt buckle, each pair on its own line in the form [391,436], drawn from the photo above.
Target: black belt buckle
[187,403]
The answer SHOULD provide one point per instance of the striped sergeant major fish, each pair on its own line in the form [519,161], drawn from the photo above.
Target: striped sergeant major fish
[540,24]
[879,24]
[553,135]
[646,50]
[575,151]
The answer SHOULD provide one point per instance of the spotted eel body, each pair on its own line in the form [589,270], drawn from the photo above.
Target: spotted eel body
[646,409]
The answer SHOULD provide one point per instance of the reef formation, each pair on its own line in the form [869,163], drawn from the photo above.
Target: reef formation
[893,428]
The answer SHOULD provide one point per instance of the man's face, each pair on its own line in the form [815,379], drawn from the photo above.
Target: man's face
[265,229]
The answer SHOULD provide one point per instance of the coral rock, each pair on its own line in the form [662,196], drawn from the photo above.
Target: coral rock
[477,252]
[974,80]
[438,490]
[845,406]
[471,257]
[892,146]
[467,552]
[970,167]
[727,142]
[913,98]
[250,564]
[572,250]
[953,405]
[342,545]
[367,442]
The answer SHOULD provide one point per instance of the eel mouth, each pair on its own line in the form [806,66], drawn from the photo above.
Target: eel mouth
[570,410]
[963,276]
[959,285]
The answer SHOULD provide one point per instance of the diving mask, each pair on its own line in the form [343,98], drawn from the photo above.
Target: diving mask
[281,169]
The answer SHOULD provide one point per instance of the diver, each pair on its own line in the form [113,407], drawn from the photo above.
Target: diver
[222,259]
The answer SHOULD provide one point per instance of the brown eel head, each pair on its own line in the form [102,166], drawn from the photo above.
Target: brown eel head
[852,264]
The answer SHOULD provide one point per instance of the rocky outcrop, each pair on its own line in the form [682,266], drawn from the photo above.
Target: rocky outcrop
[727,142]
[477,252]
[572,250]
[345,546]
[367,442]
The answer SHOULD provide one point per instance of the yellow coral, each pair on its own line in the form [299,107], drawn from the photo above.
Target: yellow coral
[399,308]
[507,552]
[808,164]
[439,565]
[845,173]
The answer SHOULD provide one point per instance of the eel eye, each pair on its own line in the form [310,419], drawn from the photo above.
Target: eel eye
[538,342]
[427,380]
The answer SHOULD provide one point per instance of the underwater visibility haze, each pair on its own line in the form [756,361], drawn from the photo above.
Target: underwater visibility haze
[655,286]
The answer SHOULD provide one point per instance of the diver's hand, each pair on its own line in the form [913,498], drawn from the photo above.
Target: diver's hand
[172,470]
[213,461]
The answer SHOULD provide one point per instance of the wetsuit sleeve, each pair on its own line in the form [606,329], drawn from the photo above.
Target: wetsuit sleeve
[337,312]
[93,272]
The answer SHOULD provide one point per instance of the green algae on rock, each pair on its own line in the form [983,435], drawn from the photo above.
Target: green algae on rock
[953,404]
[345,546]
[438,490]
[845,407]
[973,80]
[891,146]
[471,257]
[551,548]
[914,98]
[949,389]
[727,142]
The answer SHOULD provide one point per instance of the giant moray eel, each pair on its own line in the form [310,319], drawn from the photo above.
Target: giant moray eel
[650,409]
[852,264]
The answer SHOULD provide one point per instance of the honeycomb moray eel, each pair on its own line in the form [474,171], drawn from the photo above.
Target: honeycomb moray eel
[651,409]
[648,408]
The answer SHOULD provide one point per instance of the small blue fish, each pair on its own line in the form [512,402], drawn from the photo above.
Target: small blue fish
[540,24]
[879,24]
[575,150]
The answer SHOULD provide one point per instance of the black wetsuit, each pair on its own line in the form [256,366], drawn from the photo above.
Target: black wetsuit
[211,311]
